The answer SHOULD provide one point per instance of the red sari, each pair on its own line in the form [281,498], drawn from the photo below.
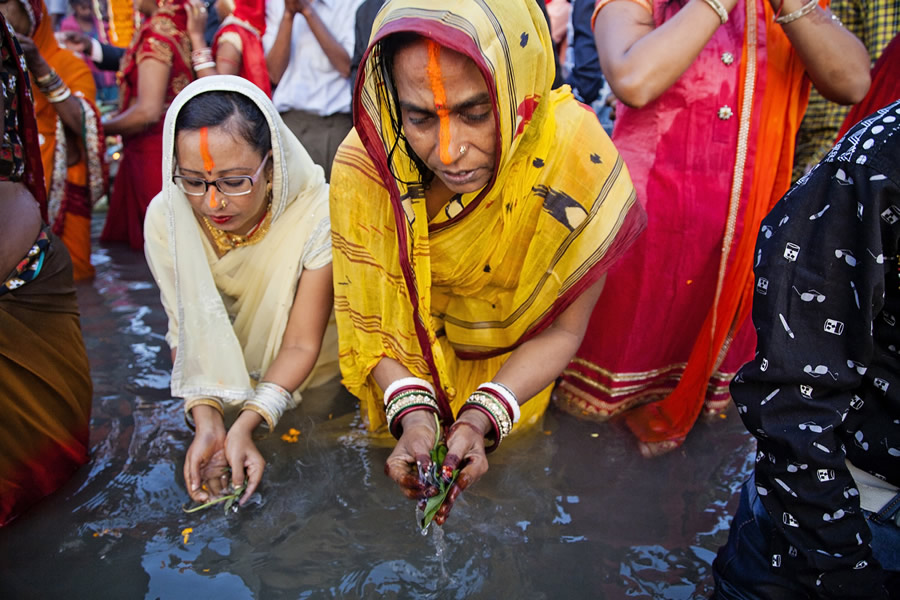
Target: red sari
[163,38]
[248,22]
[708,158]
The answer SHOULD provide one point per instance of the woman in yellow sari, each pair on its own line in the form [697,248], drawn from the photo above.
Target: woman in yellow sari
[474,215]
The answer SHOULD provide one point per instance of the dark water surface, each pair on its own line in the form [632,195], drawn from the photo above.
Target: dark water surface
[569,510]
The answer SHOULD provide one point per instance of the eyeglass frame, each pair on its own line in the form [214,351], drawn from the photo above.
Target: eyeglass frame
[215,182]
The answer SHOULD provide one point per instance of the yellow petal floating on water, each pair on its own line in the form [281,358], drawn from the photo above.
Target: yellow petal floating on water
[294,432]
[186,532]
[593,435]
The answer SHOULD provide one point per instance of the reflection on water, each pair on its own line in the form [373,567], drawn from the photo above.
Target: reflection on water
[561,514]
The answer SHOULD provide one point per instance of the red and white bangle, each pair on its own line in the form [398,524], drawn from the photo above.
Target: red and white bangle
[406,382]
[405,396]
[505,395]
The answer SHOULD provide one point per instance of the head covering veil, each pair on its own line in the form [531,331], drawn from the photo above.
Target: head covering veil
[498,265]
[227,315]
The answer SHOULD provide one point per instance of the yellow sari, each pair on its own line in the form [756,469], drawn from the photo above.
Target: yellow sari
[451,298]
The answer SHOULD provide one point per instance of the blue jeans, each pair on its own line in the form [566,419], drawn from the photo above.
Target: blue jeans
[742,567]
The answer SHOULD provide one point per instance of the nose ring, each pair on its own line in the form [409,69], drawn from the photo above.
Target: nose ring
[223,203]
[462,149]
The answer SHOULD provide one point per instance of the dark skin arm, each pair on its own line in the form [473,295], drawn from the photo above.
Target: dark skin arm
[147,107]
[69,110]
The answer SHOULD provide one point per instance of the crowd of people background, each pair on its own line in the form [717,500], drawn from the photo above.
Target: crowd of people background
[425,200]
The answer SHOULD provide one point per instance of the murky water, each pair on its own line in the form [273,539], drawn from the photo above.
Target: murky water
[569,510]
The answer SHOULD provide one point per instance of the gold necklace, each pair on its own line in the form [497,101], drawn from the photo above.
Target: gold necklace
[226,241]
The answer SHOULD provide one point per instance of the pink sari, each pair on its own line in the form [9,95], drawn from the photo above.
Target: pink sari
[671,328]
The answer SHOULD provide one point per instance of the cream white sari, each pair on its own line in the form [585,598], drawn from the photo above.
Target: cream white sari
[227,315]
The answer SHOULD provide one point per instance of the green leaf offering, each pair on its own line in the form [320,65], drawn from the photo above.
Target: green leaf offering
[229,500]
[437,475]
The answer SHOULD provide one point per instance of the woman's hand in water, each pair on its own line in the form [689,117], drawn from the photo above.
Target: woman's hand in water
[245,460]
[465,451]
[205,465]
[413,449]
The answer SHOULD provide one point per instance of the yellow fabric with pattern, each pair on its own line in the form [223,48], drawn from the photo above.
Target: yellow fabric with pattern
[496,266]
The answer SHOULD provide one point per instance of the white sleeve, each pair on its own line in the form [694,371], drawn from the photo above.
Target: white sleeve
[317,251]
[274,13]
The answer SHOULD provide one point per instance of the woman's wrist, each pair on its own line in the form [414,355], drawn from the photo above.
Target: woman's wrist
[478,420]
[418,418]
[38,67]
[207,419]
[246,422]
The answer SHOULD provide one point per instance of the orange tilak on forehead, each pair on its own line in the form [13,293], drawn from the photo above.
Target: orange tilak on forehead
[440,100]
[208,163]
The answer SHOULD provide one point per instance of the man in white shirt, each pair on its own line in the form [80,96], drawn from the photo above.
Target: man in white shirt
[308,45]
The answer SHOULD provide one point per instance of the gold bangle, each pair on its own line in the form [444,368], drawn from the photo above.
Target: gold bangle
[45,79]
[717,6]
[191,403]
[269,420]
[202,401]
[60,96]
[804,10]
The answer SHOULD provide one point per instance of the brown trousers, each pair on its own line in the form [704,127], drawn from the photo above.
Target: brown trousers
[321,136]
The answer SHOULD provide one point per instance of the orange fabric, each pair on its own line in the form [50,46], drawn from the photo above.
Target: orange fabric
[77,238]
[601,3]
[782,91]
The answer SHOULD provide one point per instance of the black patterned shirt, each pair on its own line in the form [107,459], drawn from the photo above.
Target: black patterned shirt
[824,385]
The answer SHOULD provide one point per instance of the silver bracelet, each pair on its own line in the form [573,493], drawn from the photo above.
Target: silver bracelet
[270,400]
[805,10]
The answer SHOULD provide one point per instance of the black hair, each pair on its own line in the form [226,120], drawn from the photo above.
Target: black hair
[383,62]
[235,111]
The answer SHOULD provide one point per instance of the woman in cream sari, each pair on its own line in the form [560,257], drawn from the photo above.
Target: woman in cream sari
[474,214]
[239,244]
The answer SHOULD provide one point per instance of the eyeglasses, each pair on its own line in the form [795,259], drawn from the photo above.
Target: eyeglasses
[235,185]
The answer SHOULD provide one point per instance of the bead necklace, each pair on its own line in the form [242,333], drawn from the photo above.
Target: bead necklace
[226,241]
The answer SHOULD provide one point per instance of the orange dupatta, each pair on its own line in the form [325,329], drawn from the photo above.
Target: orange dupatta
[773,98]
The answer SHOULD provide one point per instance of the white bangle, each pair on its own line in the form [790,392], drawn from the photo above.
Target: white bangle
[804,10]
[270,400]
[507,395]
[717,6]
[405,381]
[206,65]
